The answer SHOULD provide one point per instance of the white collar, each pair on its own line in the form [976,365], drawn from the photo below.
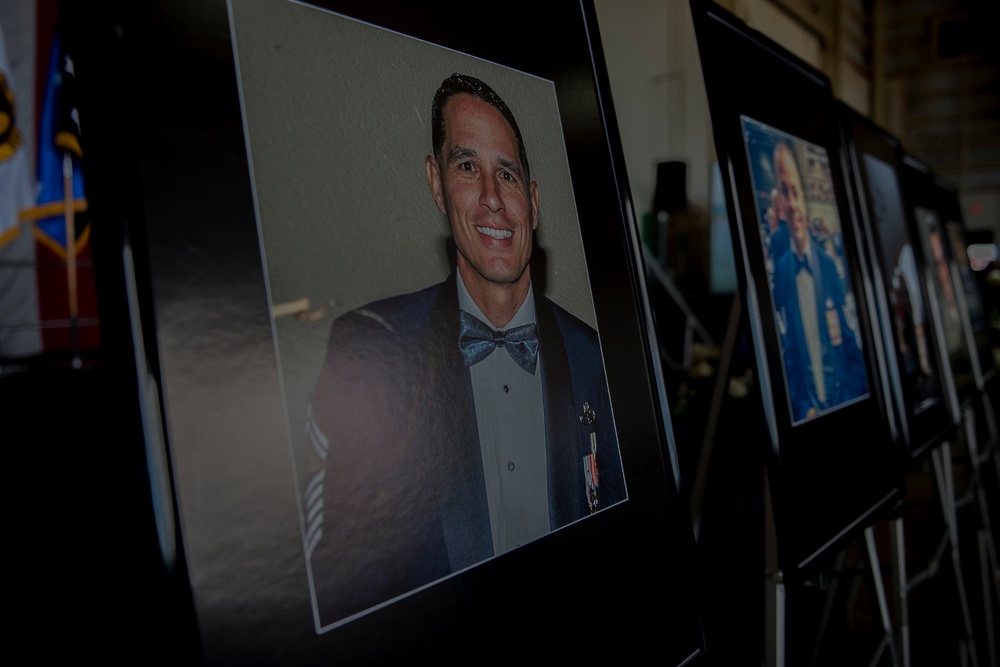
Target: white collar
[807,254]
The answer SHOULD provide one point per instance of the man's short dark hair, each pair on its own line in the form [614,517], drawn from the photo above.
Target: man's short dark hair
[458,84]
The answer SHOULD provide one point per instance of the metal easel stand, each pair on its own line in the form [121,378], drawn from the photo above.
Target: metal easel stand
[774,644]
[831,594]
[901,586]
[889,638]
[774,588]
[944,475]
[775,601]
[699,486]
[987,548]
[692,324]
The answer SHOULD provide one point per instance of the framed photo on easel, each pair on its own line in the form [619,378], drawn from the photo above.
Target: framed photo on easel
[975,317]
[941,279]
[919,375]
[411,391]
[805,283]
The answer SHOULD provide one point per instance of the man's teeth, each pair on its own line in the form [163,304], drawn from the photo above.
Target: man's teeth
[495,233]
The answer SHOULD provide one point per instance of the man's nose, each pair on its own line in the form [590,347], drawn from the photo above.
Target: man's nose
[490,196]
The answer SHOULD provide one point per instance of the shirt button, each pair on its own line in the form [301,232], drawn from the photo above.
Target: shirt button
[506,389]
[510,466]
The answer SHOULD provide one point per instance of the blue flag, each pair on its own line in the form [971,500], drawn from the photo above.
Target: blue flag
[58,151]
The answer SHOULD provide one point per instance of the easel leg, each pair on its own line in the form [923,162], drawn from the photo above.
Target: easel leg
[946,486]
[883,607]
[900,589]
[774,644]
[831,595]
[774,588]
[987,550]
[985,561]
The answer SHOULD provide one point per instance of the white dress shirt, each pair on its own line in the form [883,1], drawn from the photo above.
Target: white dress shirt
[511,419]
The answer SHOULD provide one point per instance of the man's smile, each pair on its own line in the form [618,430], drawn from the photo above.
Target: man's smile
[495,233]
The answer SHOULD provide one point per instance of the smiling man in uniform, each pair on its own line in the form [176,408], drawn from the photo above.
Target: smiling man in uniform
[468,418]
[823,363]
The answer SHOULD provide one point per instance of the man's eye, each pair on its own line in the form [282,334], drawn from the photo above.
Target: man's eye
[466,166]
[506,175]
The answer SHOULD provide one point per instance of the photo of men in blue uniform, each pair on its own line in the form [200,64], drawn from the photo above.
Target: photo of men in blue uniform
[813,306]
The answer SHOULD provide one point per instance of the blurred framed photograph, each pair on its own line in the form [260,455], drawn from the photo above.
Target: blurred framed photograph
[974,314]
[941,278]
[919,374]
[805,284]
[797,212]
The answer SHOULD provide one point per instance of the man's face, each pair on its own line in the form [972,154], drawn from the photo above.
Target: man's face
[793,199]
[479,184]
[780,207]
[941,263]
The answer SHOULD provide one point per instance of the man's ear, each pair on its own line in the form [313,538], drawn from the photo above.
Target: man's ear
[533,194]
[434,181]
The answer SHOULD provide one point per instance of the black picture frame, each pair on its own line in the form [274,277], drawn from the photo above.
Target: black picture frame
[974,317]
[916,369]
[827,480]
[927,202]
[170,173]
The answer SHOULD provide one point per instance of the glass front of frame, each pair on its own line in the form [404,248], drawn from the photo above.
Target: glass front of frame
[932,240]
[977,318]
[911,323]
[801,237]
[977,322]
[409,468]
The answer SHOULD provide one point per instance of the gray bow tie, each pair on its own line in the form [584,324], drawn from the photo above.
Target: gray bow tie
[477,341]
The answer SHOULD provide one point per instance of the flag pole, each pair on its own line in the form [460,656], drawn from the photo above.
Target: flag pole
[71,255]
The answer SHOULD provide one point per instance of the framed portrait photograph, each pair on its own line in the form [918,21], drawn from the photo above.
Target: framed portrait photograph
[941,278]
[974,314]
[915,365]
[797,211]
[804,281]
[396,314]
[445,460]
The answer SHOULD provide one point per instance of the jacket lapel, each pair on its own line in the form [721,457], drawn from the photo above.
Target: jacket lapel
[562,432]
[452,435]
